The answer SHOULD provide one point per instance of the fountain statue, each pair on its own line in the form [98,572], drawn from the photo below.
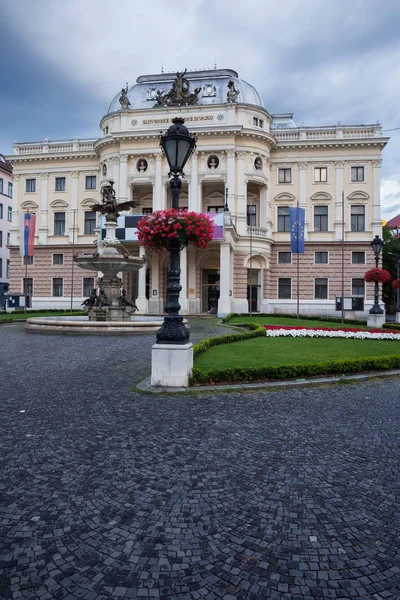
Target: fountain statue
[110,257]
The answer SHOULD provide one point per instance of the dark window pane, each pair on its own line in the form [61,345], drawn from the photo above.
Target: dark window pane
[283,218]
[60,184]
[91,182]
[321,289]
[59,223]
[90,222]
[321,257]
[88,286]
[284,257]
[358,258]
[284,288]
[357,287]
[58,259]
[57,287]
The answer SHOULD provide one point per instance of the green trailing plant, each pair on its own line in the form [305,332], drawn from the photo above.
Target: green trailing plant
[287,372]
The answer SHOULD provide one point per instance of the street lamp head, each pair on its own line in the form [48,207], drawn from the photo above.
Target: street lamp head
[177,144]
[377,245]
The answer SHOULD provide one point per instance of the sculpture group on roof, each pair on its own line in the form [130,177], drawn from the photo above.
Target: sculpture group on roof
[179,94]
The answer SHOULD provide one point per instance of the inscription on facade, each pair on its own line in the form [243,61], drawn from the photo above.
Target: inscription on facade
[187,120]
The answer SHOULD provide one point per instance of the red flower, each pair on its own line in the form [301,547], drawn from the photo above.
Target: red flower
[379,275]
[396,284]
[186,228]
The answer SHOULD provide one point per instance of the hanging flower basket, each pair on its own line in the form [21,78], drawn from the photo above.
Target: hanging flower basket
[379,275]
[164,228]
[396,284]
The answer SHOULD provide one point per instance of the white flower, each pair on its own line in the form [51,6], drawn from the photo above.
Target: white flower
[333,333]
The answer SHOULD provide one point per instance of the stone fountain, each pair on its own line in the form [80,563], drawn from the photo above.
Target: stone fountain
[111,258]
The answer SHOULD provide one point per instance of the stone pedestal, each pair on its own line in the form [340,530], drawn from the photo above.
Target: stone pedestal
[398,317]
[171,365]
[376,321]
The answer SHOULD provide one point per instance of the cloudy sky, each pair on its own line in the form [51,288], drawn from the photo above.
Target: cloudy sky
[62,61]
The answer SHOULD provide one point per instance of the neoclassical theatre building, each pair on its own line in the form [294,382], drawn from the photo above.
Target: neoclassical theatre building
[249,161]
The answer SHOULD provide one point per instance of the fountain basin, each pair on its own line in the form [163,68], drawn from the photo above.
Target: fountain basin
[81,326]
[109,264]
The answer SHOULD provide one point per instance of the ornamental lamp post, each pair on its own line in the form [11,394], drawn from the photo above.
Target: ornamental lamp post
[377,246]
[177,144]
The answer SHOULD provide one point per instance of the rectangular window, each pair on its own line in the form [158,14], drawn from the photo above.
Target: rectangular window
[320,218]
[27,286]
[321,289]
[258,122]
[8,238]
[1,211]
[215,209]
[284,288]
[9,214]
[251,215]
[60,184]
[88,286]
[358,258]
[357,174]
[28,260]
[357,218]
[321,258]
[8,269]
[58,287]
[357,287]
[1,239]
[10,186]
[90,182]
[90,222]
[1,185]
[283,218]
[284,257]
[59,223]
[30,185]
[58,259]
[1,268]
[285,175]
[321,174]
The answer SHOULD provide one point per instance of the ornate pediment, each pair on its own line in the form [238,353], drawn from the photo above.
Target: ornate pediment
[179,94]
[321,197]
[285,197]
[59,204]
[29,205]
[358,195]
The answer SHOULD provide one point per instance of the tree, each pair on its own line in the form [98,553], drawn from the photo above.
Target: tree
[390,256]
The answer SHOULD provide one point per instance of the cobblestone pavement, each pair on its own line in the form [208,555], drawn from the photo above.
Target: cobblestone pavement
[108,493]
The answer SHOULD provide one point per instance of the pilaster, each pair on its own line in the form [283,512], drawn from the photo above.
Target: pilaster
[74,206]
[224,302]
[193,203]
[43,225]
[141,301]
[303,195]
[14,228]
[157,186]
[115,174]
[123,182]
[183,297]
[339,216]
[376,209]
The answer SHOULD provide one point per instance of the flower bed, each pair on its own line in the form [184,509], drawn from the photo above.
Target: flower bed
[314,332]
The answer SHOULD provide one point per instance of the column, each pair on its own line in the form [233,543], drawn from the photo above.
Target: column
[141,300]
[224,302]
[193,203]
[164,194]
[183,297]
[339,216]
[123,172]
[200,196]
[376,209]
[74,206]
[115,174]
[263,207]
[269,212]
[230,180]
[157,186]
[43,224]
[241,196]
[193,301]
[303,195]
[14,228]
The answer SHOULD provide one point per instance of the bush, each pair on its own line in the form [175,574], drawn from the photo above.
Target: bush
[286,372]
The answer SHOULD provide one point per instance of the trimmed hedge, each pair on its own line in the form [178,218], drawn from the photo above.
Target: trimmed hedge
[230,316]
[255,331]
[394,326]
[284,372]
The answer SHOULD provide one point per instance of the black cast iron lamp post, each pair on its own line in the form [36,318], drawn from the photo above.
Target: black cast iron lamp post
[377,245]
[177,144]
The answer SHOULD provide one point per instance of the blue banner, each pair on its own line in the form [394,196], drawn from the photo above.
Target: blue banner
[296,216]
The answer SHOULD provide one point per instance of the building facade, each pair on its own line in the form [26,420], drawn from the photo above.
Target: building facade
[252,162]
[6,194]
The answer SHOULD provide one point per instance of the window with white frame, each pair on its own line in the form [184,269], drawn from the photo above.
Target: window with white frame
[60,184]
[357,174]
[258,122]
[357,213]
[90,182]
[58,287]
[283,218]
[10,188]
[284,258]
[1,211]
[285,175]
[1,185]
[321,258]
[9,214]
[358,258]
[321,288]
[27,286]
[321,174]
[358,287]
[59,223]
[320,218]
[58,259]
[30,185]
[284,288]
[90,222]
[88,286]
[251,215]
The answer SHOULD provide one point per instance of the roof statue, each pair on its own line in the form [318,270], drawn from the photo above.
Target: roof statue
[123,99]
[109,205]
[179,93]
[233,93]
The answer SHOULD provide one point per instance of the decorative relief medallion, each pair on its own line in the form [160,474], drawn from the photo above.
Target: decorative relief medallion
[209,90]
[151,93]
[142,165]
[134,122]
[258,164]
[220,117]
[213,162]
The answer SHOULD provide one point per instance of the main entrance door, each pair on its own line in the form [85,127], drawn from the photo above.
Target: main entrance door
[210,289]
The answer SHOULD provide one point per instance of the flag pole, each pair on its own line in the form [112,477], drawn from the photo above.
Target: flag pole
[251,264]
[342,256]
[72,261]
[298,265]
[26,282]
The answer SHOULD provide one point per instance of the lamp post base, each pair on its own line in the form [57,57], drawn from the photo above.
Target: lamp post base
[171,365]
[376,321]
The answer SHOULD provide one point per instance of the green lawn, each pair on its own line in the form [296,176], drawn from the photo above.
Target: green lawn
[262,351]
[290,321]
